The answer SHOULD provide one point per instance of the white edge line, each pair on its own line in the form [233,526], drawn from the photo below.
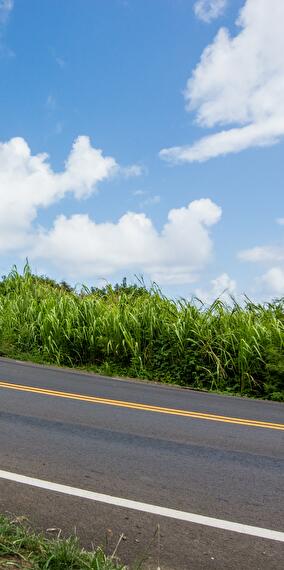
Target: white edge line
[145,507]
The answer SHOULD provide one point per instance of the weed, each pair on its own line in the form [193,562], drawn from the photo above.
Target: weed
[21,548]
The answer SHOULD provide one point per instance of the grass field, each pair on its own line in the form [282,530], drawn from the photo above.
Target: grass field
[129,330]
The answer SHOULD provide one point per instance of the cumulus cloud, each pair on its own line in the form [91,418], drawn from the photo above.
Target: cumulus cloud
[208,10]
[239,82]
[174,255]
[271,256]
[27,183]
[80,246]
[273,280]
[222,287]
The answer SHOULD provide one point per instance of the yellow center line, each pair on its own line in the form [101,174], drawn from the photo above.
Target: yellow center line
[143,407]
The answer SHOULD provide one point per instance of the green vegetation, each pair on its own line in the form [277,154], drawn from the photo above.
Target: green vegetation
[129,330]
[21,548]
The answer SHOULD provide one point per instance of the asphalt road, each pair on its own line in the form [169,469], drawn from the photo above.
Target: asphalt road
[193,463]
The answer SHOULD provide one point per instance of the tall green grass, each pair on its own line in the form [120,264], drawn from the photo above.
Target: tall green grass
[138,332]
[22,548]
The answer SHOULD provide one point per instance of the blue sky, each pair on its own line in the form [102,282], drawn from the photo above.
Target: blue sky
[144,81]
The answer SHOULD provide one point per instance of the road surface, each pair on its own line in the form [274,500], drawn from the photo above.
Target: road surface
[192,480]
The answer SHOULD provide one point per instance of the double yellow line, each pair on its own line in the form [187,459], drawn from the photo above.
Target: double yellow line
[142,407]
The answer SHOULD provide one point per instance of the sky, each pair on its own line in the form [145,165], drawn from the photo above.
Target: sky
[144,138]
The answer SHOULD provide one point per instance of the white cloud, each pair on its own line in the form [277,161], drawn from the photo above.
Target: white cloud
[27,183]
[262,134]
[148,199]
[263,254]
[60,61]
[133,170]
[79,245]
[50,102]
[151,201]
[6,6]
[222,287]
[208,10]
[271,256]
[58,128]
[273,279]
[154,199]
[239,82]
